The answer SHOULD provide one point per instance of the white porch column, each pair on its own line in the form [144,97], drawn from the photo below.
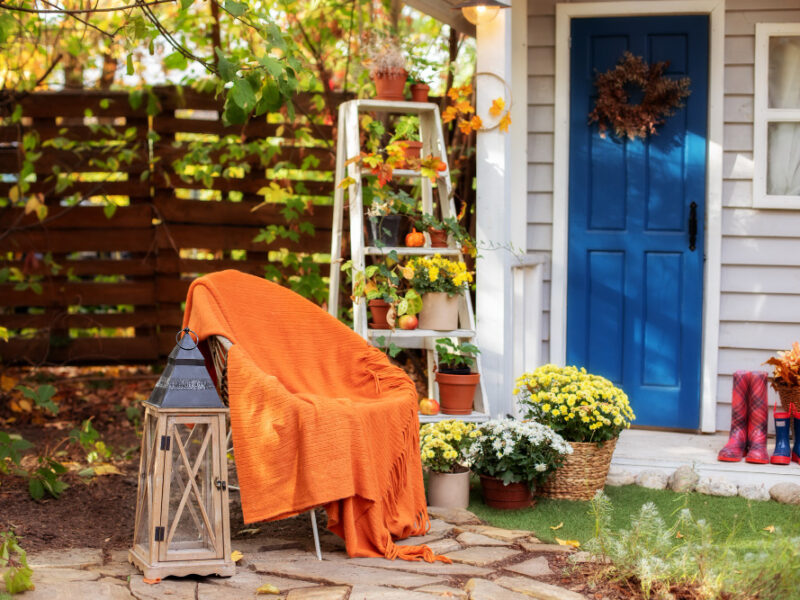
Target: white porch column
[501,194]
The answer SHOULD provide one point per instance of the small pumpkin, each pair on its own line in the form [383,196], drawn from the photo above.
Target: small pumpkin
[415,239]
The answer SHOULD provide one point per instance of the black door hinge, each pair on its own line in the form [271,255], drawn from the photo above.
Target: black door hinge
[159,536]
[165,442]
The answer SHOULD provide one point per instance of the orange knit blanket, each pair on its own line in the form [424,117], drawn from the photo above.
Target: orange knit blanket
[319,417]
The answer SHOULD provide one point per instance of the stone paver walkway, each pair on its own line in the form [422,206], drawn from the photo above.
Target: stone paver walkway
[488,564]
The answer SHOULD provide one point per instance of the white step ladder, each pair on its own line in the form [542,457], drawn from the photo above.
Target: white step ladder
[348,146]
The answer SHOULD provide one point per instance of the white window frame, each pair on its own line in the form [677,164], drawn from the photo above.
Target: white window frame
[763,115]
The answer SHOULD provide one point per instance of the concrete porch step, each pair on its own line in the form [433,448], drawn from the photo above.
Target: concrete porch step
[639,450]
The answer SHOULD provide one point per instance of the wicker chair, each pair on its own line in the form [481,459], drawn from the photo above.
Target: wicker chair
[218,347]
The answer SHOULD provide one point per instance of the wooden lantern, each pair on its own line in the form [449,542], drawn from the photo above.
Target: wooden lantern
[182,525]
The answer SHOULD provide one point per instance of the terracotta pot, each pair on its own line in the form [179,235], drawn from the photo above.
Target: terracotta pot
[389,86]
[439,311]
[513,495]
[457,392]
[413,149]
[450,490]
[379,310]
[438,237]
[419,92]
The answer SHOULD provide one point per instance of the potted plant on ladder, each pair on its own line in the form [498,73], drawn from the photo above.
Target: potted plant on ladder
[387,68]
[442,282]
[454,376]
[381,286]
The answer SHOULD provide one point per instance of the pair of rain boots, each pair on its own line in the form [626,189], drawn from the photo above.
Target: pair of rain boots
[782,453]
[749,414]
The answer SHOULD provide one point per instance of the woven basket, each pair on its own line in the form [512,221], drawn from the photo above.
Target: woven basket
[583,473]
[789,395]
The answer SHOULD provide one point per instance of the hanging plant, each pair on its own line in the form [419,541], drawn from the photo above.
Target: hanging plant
[613,108]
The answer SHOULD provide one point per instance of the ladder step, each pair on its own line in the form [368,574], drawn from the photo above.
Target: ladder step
[406,251]
[473,417]
[395,105]
[420,333]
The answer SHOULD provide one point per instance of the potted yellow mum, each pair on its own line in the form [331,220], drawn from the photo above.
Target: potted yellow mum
[440,281]
[443,447]
[586,410]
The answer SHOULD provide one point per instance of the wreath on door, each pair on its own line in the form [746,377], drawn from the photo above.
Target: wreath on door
[614,109]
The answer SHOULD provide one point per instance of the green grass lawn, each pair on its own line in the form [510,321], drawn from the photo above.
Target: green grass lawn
[724,514]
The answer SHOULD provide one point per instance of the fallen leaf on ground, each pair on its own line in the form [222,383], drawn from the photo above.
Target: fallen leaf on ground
[236,556]
[557,527]
[573,543]
[679,535]
[249,531]
[268,588]
[770,528]
[106,469]
[7,383]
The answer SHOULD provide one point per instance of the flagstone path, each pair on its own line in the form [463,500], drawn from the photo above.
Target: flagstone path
[488,564]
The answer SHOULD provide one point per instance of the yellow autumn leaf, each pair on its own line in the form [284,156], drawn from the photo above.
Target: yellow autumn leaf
[3,334]
[347,181]
[32,205]
[236,556]
[770,528]
[106,469]
[13,193]
[557,527]
[498,104]
[679,535]
[12,404]
[7,383]
[267,588]
[505,122]
[25,405]
[573,543]
[476,122]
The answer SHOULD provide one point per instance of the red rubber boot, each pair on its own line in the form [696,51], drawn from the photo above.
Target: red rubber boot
[757,416]
[735,448]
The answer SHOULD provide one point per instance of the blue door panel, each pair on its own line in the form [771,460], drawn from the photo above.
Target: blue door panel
[635,290]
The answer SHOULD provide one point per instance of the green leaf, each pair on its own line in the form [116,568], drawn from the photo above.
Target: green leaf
[186,4]
[273,65]
[105,103]
[227,70]
[175,60]
[36,489]
[237,9]
[243,95]
[233,115]
[109,210]
[129,65]
[135,99]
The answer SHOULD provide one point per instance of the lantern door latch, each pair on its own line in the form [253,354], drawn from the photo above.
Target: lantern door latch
[165,442]
[159,534]
[221,485]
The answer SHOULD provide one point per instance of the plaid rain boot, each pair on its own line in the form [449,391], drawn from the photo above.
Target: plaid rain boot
[780,455]
[737,442]
[757,416]
[796,447]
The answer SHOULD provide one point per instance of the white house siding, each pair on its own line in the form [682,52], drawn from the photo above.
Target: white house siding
[760,300]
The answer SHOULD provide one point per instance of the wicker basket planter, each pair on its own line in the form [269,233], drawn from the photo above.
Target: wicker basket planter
[583,473]
[789,395]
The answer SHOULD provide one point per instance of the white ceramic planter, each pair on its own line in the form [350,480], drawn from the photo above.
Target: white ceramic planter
[439,311]
[450,490]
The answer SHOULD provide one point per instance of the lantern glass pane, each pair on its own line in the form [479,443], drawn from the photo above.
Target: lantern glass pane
[145,500]
[190,506]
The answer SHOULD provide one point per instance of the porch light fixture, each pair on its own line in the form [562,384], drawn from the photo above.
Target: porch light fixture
[480,12]
[182,525]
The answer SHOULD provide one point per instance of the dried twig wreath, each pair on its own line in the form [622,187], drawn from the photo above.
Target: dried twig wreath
[661,96]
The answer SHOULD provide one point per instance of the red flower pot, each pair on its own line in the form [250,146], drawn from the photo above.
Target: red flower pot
[419,92]
[511,496]
[389,86]
[438,237]
[457,392]
[379,310]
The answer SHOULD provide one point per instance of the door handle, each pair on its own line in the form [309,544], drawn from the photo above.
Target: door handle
[692,226]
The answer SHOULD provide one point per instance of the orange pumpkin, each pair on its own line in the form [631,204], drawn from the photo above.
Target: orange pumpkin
[415,239]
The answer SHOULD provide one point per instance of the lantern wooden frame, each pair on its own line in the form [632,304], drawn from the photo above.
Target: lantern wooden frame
[156,551]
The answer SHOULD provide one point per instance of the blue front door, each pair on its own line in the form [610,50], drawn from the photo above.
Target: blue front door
[635,288]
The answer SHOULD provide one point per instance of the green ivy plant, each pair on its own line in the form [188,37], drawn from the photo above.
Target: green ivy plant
[14,564]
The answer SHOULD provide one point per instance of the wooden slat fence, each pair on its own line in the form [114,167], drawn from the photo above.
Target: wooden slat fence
[118,292]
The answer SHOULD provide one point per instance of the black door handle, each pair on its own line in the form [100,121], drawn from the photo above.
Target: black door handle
[692,226]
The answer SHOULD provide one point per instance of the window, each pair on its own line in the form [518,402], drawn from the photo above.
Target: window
[776,126]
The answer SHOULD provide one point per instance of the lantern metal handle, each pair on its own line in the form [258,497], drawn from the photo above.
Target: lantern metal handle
[184,333]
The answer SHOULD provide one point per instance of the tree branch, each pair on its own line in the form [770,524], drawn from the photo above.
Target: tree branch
[65,11]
